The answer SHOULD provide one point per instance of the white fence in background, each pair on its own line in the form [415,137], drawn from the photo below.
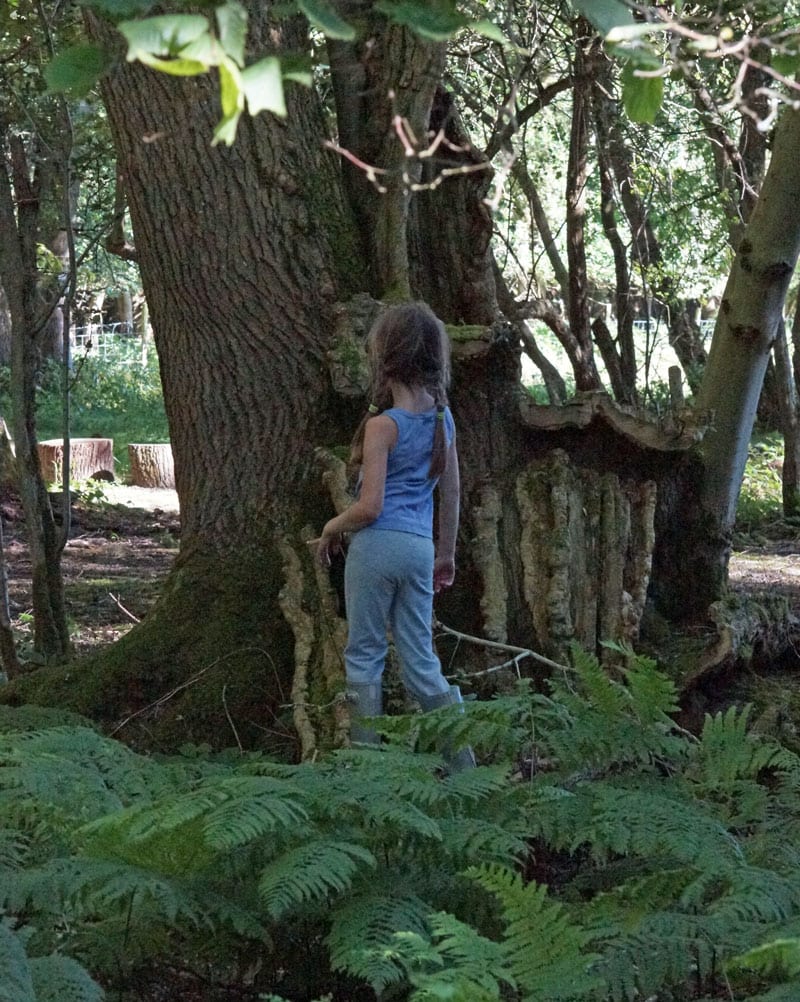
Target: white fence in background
[657,328]
[112,343]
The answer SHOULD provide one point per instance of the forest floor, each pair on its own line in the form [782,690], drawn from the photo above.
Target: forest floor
[120,551]
[117,556]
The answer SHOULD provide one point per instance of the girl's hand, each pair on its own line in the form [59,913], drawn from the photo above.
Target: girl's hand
[327,544]
[444,573]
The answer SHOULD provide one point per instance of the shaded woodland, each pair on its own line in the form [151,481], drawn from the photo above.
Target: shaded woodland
[580,191]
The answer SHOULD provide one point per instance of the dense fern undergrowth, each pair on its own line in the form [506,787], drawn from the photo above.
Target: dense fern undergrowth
[599,854]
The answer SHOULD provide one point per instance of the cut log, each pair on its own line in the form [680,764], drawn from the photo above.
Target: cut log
[90,459]
[152,465]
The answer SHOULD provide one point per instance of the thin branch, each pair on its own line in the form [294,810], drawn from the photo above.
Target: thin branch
[121,607]
[497,646]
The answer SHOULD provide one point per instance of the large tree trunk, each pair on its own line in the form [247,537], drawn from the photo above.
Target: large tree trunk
[241,277]
[383,84]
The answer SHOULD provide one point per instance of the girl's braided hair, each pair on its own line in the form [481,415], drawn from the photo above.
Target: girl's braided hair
[407,344]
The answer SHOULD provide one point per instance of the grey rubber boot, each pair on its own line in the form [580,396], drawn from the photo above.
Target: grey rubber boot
[464,758]
[365,701]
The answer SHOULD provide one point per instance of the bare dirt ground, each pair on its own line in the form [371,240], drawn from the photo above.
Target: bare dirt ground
[117,556]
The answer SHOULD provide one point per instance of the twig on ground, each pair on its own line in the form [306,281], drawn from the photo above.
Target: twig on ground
[496,646]
[185,685]
[121,607]
[230,720]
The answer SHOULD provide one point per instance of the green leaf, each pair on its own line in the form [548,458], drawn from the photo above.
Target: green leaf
[297,68]
[76,70]
[231,92]
[61,979]
[641,96]
[262,84]
[630,32]
[489,30]
[204,49]
[232,24]
[327,20]
[163,35]
[175,67]
[605,15]
[437,24]
[225,131]
[780,957]
[232,95]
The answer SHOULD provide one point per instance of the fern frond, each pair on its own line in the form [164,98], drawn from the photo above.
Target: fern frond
[780,958]
[16,983]
[596,686]
[757,894]
[596,720]
[638,897]
[476,784]
[399,816]
[654,696]
[458,964]
[656,823]
[544,949]
[311,871]
[182,833]
[61,979]
[466,840]
[40,979]
[256,805]
[729,751]
[111,773]
[362,933]
[781,993]
[96,888]
[13,847]
[19,719]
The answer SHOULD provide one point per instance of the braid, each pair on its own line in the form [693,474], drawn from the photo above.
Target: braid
[380,399]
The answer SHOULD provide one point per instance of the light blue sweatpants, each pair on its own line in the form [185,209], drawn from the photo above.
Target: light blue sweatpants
[388,584]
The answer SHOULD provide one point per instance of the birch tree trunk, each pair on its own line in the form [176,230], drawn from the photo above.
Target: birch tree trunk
[697,547]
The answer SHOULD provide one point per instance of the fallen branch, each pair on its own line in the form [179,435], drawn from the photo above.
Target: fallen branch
[187,684]
[497,646]
[121,607]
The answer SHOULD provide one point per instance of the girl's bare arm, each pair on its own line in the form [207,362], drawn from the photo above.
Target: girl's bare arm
[380,436]
[444,567]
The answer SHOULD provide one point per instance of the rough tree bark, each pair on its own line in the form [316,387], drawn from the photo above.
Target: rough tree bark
[383,85]
[579,347]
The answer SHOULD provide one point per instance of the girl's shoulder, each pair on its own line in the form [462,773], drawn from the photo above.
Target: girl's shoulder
[381,429]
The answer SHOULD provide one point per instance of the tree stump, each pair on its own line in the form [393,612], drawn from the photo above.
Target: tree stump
[151,465]
[89,458]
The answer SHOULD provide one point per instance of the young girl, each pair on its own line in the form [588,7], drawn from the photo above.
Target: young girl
[405,446]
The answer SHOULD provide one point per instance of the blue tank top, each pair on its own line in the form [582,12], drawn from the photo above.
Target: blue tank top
[408,495]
